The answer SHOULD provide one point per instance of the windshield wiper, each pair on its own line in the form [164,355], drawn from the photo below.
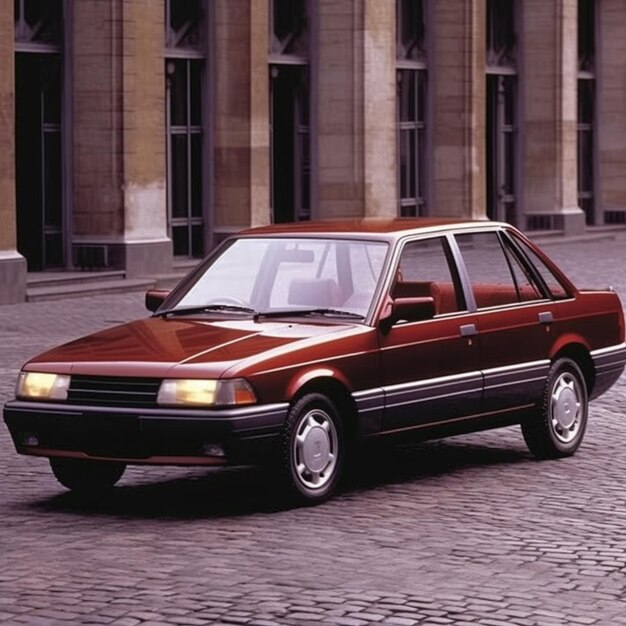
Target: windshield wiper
[201,308]
[313,311]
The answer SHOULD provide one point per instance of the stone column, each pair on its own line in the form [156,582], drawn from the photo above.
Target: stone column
[549,105]
[12,264]
[241,141]
[354,56]
[456,79]
[610,118]
[119,133]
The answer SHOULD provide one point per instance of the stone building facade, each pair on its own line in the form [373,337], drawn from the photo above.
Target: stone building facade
[134,132]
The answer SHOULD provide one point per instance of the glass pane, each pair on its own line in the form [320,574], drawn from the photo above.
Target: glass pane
[184,23]
[491,279]
[53,243]
[179,176]
[180,239]
[585,161]
[408,96]
[586,34]
[177,77]
[508,98]
[551,281]
[195,95]
[585,101]
[411,29]
[52,179]
[421,165]
[305,176]
[196,175]
[421,96]
[51,88]
[509,162]
[501,32]
[41,22]
[292,273]
[197,240]
[424,271]
[412,139]
[405,164]
[290,27]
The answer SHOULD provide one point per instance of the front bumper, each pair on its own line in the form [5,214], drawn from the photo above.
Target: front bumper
[146,436]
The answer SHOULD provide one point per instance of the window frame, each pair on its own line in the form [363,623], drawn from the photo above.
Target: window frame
[448,246]
[508,244]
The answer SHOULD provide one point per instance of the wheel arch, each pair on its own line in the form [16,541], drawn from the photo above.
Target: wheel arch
[337,391]
[579,353]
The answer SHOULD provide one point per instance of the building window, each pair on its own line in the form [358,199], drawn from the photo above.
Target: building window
[185,100]
[586,35]
[39,158]
[411,106]
[290,110]
[410,30]
[586,108]
[501,33]
[501,111]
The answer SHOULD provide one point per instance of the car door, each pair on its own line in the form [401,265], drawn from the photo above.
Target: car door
[430,368]
[514,320]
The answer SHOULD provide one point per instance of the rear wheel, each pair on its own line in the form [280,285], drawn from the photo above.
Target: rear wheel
[86,475]
[312,449]
[558,428]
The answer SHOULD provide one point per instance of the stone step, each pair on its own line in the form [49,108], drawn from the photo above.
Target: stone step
[57,279]
[91,288]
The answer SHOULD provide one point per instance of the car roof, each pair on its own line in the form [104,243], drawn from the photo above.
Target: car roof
[388,227]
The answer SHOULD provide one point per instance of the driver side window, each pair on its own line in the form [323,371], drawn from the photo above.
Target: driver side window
[424,271]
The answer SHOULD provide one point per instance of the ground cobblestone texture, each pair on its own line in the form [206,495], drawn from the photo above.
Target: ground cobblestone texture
[465,531]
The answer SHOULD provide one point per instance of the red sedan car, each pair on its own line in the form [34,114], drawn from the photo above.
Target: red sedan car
[291,343]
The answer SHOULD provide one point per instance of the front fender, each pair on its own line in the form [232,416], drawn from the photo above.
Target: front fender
[302,378]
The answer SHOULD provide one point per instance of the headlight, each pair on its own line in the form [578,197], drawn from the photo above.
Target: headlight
[42,386]
[201,392]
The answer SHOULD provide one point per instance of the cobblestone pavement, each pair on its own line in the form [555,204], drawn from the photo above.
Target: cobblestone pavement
[470,530]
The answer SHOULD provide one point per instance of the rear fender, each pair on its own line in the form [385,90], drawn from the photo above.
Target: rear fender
[566,340]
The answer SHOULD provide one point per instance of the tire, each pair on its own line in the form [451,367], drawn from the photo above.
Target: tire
[85,475]
[558,428]
[312,454]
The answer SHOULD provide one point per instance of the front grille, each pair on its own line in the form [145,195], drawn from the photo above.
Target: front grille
[113,391]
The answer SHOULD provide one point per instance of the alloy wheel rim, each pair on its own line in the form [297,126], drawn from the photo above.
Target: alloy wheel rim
[566,406]
[315,447]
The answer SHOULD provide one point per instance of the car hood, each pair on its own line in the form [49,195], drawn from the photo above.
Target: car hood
[156,346]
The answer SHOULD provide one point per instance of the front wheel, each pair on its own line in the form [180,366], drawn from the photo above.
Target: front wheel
[558,428]
[86,475]
[312,449]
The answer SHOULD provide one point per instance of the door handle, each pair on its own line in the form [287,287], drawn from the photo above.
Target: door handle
[468,330]
[546,317]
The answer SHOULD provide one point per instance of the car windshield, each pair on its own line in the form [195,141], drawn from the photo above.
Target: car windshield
[267,275]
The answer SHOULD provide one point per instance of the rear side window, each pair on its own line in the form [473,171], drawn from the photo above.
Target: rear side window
[556,289]
[496,275]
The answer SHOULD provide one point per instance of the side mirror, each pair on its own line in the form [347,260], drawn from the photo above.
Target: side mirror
[155,298]
[409,309]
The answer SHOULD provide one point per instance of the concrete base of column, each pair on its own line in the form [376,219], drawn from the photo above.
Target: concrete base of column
[137,258]
[571,222]
[12,278]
